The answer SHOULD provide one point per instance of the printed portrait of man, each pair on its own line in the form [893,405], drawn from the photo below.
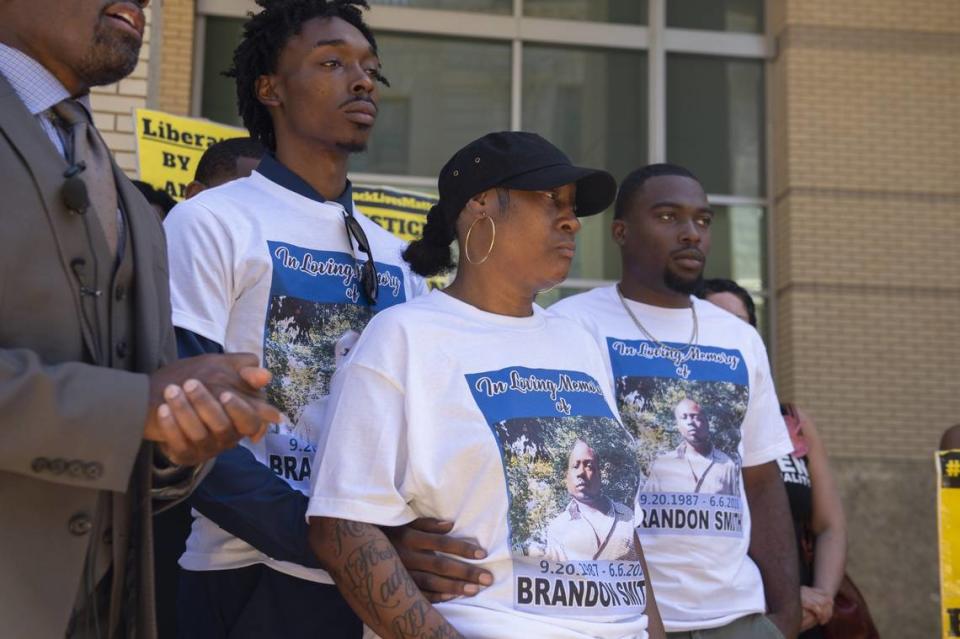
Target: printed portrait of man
[591,526]
[344,345]
[696,465]
[312,415]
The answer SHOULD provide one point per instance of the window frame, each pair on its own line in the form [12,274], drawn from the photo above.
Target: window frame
[655,38]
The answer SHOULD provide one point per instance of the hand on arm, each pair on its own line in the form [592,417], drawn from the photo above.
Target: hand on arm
[772,545]
[817,607]
[440,578]
[829,526]
[200,406]
[372,579]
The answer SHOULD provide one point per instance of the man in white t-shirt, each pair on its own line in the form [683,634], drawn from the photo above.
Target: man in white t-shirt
[592,525]
[723,565]
[696,465]
[281,264]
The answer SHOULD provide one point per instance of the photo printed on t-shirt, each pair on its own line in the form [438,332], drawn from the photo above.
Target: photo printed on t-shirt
[571,477]
[315,315]
[685,405]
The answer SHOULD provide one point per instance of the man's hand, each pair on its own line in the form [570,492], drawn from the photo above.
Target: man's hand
[807,620]
[817,607]
[203,405]
[439,578]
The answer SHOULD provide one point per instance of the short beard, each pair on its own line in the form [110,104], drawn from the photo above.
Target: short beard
[109,58]
[352,147]
[684,287]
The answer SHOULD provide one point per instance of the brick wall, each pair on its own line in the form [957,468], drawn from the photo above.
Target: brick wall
[176,66]
[113,105]
[865,113]
[867,190]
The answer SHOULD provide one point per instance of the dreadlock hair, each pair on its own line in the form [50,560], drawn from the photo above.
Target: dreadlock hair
[431,254]
[264,36]
[219,161]
[720,285]
[635,180]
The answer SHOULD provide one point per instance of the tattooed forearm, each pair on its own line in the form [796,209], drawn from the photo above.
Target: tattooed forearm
[398,581]
[413,623]
[344,531]
[358,574]
[368,572]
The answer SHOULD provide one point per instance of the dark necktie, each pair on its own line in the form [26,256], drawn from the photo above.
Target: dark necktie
[89,148]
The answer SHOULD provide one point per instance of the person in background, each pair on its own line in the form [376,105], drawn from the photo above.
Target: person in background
[950,440]
[725,567]
[731,297]
[815,504]
[445,399]
[158,199]
[224,162]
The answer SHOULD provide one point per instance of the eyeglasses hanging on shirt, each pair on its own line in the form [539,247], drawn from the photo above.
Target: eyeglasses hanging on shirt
[369,279]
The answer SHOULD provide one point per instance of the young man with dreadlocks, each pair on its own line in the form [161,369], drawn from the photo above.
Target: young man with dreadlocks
[281,264]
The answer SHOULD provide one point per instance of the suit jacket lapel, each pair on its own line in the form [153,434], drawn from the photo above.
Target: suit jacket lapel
[143,228]
[46,165]
[32,143]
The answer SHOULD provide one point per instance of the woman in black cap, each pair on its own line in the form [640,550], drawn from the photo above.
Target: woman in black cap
[474,405]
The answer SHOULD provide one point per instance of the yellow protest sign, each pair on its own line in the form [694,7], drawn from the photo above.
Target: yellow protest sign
[170,146]
[948,524]
[403,213]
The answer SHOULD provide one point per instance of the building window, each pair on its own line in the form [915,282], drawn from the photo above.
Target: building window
[716,15]
[738,251]
[715,121]
[615,11]
[614,83]
[592,103]
[481,6]
[219,96]
[443,93]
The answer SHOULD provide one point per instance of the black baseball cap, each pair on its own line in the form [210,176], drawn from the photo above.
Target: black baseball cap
[522,161]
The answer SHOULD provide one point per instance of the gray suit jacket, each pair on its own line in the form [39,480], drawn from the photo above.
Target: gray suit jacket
[72,463]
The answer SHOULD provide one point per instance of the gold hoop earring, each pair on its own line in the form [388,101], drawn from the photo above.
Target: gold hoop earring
[493,240]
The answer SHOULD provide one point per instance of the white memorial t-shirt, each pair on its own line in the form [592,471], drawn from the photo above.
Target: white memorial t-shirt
[695,523]
[507,427]
[259,268]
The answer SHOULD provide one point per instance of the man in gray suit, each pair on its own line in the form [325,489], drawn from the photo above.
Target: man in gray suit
[98,424]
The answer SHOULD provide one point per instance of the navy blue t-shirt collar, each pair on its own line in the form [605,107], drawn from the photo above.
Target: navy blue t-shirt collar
[273,170]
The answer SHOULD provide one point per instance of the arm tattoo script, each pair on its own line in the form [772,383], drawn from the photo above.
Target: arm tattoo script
[369,573]
[413,623]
